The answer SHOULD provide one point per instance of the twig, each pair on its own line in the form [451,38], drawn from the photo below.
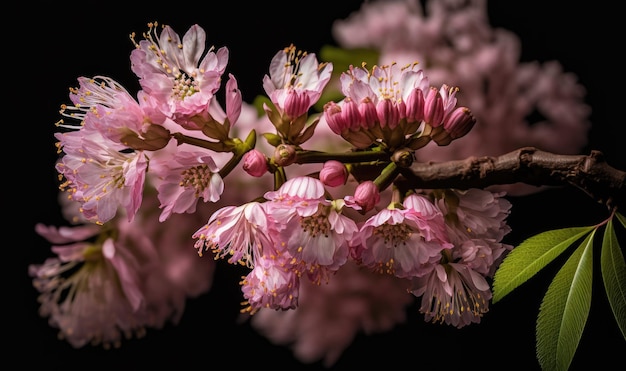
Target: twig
[591,173]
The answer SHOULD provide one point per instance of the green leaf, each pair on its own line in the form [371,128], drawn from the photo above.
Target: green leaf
[272,139]
[564,309]
[621,218]
[532,255]
[614,275]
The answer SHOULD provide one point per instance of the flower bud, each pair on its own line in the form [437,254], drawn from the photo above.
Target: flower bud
[403,157]
[296,104]
[366,195]
[254,163]
[387,114]
[367,109]
[334,118]
[284,155]
[351,115]
[433,108]
[333,173]
[460,122]
[415,106]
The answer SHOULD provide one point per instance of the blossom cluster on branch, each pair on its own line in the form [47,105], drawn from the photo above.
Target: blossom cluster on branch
[311,203]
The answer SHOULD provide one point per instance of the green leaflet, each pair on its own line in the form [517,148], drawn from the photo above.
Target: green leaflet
[613,269]
[621,218]
[532,255]
[272,139]
[564,309]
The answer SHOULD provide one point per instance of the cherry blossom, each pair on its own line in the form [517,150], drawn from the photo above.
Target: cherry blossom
[100,176]
[295,81]
[181,74]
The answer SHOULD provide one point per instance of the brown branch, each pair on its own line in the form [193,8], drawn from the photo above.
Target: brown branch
[529,165]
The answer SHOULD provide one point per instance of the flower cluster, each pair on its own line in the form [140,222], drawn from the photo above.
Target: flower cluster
[515,103]
[176,144]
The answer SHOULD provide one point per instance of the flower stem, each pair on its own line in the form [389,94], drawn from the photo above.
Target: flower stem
[239,149]
[387,176]
[309,157]
[222,146]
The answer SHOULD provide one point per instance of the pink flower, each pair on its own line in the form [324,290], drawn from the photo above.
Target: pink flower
[183,75]
[456,291]
[476,224]
[311,229]
[298,192]
[271,284]
[102,292]
[482,255]
[100,176]
[295,81]
[241,233]
[475,213]
[452,294]
[405,242]
[183,177]
[104,105]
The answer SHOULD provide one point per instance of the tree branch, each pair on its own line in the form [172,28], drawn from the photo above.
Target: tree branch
[529,165]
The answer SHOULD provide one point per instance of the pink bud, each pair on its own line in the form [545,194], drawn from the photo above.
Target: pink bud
[333,173]
[367,195]
[233,100]
[296,104]
[387,113]
[351,115]
[254,163]
[334,118]
[367,109]
[415,105]
[433,108]
[459,123]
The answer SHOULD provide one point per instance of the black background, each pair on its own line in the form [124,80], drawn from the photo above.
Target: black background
[50,46]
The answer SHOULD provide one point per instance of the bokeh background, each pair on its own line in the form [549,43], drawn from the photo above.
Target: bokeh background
[57,43]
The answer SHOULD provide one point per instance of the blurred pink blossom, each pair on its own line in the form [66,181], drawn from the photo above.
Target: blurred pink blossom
[455,44]
[330,315]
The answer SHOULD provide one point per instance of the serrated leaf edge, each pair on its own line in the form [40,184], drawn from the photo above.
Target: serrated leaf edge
[574,315]
[613,269]
[501,289]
